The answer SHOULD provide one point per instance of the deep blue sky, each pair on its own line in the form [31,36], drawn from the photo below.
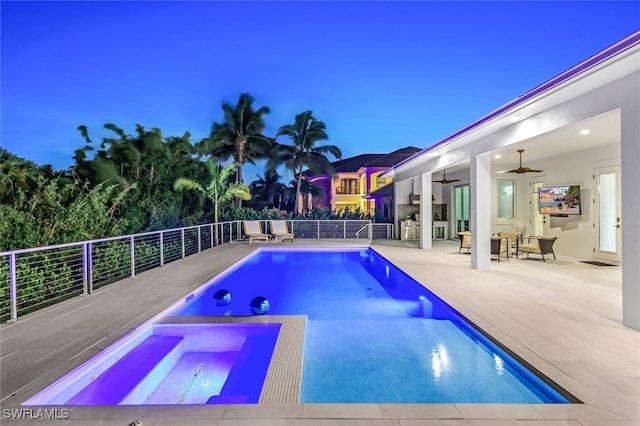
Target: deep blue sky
[381,75]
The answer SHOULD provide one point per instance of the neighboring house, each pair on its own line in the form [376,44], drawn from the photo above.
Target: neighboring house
[580,128]
[355,179]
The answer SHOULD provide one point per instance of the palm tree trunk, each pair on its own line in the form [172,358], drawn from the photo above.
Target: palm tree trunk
[215,217]
[240,143]
[298,207]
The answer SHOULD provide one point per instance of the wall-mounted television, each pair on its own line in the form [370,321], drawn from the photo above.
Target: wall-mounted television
[559,200]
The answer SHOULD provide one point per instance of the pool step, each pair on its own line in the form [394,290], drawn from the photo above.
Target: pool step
[122,377]
[245,380]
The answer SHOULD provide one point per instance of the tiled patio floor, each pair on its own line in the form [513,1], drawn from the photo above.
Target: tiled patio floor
[563,317]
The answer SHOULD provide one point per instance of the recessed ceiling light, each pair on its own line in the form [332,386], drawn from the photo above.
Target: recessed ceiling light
[497,156]
[585,131]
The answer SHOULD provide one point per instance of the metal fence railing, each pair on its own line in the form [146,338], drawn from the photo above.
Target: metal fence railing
[376,231]
[33,278]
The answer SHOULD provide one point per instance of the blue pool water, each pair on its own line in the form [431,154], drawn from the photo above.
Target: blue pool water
[373,333]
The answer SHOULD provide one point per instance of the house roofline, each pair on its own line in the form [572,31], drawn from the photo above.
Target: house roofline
[589,63]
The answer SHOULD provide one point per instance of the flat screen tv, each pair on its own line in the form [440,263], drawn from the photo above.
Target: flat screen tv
[559,200]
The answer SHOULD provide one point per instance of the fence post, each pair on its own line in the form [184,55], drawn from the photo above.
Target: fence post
[182,239]
[161,248]
[90,267]
[132,249]
[211,226]
[370,230]
[13,287]
[318,229]
[85,270]
[344,228]
[199,243]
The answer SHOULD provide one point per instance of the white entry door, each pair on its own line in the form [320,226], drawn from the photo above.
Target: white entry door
[607,206]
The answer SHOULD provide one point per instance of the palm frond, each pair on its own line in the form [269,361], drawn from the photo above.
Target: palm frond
[329,149]
[182,184]
[236,190]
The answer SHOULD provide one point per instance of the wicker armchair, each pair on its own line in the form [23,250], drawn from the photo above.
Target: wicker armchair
[537,245]
[512,239]
[465,241]
[499,246]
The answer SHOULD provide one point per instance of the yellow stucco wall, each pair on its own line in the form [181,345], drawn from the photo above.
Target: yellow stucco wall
[340,201]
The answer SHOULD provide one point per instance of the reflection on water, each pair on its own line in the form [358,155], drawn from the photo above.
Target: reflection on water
[499,364]
[439,362]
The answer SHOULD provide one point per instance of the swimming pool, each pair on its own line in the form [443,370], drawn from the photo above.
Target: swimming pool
[373,335]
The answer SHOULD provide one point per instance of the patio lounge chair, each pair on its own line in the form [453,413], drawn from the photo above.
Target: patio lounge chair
[538,245]
[465,241]
[253,231]
[280,230]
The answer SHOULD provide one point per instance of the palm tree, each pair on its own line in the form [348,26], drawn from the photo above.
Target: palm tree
[304,133]
[309,188]
[217,190]
[266,189]
[240,134]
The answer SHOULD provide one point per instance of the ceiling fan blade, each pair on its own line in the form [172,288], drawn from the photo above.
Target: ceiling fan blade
[446,181]
[521,170]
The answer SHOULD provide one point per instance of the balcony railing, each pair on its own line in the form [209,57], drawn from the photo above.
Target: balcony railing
[33,278]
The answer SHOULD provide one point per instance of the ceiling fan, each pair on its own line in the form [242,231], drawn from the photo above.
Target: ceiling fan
[520,170]
[444,179]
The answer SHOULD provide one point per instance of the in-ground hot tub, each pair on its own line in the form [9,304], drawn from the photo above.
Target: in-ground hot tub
[173,364]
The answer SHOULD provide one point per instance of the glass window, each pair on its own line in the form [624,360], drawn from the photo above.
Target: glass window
[380,182]
[506,190]
[348,186]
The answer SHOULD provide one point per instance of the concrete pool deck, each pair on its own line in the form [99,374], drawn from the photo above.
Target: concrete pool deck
[563,317]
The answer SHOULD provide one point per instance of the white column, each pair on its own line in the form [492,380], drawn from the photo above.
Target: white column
[480,211]
[630,153]
[426,212]
[396,223]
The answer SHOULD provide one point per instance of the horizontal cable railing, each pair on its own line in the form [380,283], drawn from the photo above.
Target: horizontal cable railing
[381,231]
[376,231]
[33,278]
